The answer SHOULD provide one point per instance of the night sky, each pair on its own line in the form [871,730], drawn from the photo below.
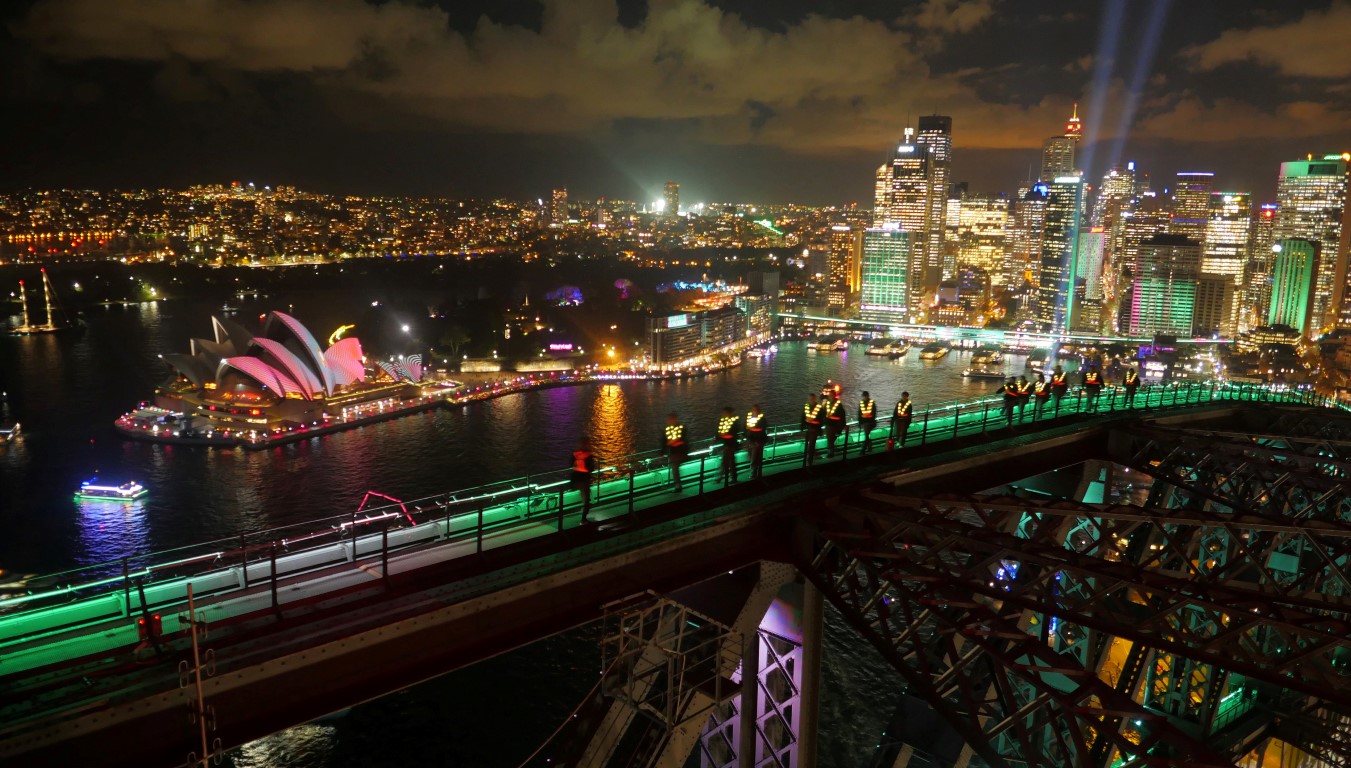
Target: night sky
[786,101]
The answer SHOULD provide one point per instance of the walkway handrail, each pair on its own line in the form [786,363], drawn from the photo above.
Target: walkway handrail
[470,512]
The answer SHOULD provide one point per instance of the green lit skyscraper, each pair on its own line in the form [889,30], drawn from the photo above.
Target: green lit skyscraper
[886,271]
[1163,292]
[1059,248]
[1292,283]
[1311,204]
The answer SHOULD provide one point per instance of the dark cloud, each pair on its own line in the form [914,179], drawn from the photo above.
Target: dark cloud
[345,89]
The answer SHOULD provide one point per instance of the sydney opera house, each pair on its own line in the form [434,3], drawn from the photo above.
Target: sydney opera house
[277,378]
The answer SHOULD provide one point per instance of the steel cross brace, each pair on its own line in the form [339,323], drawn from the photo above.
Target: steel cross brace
[1330,540]
[1122,599]
[1309,463]
[1010,659]
[1228,475]
[1315,509]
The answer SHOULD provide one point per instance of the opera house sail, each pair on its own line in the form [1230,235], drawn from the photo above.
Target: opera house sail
[239,382]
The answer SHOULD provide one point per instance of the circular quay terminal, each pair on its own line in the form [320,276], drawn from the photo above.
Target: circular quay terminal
[675,384]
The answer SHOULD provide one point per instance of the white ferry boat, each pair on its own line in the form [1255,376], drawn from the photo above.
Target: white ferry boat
[92,490]
[933,352]
[987,356]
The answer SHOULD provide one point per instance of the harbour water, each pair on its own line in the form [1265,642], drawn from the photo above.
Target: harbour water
[68,389]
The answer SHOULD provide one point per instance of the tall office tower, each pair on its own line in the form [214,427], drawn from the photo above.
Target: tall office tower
[840,283]
[886,267]
[1257,275]
[1058,153]
[1059,248]
[882,195]
[1027,222]
[558,211]
[909,208]
[1142,218]
[1311,204]
[952,219]
[1292,283]
[1092,245]
[1117,188]
[1228,231]
[1191,205]
[1163,292]
[935,138]
[982,236]
[670,195]
[1213,309]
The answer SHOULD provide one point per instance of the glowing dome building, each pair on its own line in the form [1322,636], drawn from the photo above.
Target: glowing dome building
[276,379]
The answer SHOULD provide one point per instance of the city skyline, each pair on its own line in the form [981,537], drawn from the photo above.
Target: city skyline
[376,101]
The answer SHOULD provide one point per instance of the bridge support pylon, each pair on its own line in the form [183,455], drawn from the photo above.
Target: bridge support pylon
[679,667]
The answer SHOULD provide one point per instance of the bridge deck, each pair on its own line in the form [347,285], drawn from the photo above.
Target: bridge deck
[70,671]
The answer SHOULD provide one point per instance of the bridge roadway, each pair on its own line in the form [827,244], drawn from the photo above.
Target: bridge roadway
[350,619]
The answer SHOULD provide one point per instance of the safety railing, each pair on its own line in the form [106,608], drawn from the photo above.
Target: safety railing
[132,585]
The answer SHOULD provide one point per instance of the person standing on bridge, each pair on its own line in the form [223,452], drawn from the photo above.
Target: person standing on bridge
[811,427]
[901,419]
[583,468]
[1060,384]
[755,441]
[1010,393]
[1024,396]
[867,420]
[677,451]
[1130,381]
[834,418]
[1092,387]
[727,429]
[1041,394]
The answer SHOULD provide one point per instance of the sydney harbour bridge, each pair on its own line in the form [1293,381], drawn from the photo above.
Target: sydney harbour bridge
[1165,582]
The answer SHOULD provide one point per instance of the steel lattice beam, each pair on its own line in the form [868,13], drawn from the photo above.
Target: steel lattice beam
[919,577]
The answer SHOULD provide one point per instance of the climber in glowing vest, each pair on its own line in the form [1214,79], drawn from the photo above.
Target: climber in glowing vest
[727,432]
[756,437]
[677,450]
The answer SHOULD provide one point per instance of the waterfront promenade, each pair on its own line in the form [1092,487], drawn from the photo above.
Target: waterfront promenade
[141,424]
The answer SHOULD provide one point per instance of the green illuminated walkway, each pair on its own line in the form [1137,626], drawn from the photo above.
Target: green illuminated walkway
[89,623]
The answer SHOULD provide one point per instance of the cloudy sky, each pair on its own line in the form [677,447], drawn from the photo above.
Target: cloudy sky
[792,100]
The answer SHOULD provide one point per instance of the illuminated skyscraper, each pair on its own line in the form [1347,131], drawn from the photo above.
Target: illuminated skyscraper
[909,206]
[1163,293]
[935,137]
[1257,275]
[882,195]
[1292,284]
[1092,245]
[841,282]
[1142,218]
[670,195]
[1059,249]
[886,267]
[1027,220]
[1311,204]
[1213,312]
[982,236]
[1118,187]
[558,211]
[1190,211]
[1058,153]
[1227,234]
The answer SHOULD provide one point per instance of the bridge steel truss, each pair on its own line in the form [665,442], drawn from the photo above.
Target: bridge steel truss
[1186,630]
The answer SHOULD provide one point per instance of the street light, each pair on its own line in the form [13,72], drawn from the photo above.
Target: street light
[405,328]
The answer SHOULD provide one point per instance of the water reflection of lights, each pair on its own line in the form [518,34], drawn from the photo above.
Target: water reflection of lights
[609,428]
[315,741]
[112,529]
